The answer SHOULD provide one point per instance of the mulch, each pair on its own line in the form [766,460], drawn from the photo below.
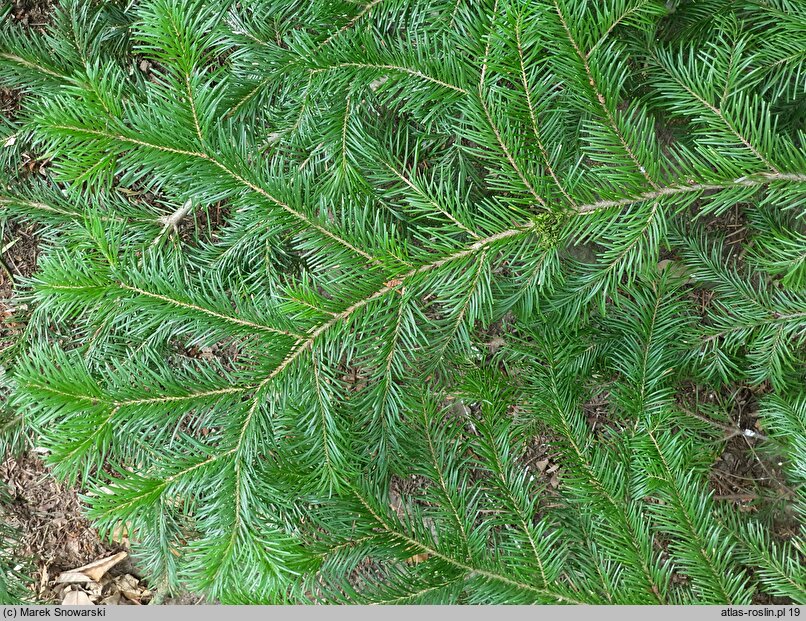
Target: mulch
[48,516]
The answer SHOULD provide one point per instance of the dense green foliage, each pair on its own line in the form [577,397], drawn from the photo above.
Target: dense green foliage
[414,238]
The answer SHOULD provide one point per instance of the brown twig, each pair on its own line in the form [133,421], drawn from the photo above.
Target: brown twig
[731,432]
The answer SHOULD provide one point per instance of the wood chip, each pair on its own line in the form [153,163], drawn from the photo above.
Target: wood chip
[76,598]
[92,572]
[130,588]
[112,600]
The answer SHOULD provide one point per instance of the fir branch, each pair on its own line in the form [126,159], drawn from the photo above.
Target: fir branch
[31,65]
[488,115]
[204,311]
[234,175]
[388,67]
[611,120]
[717,112]
[533,117]
[468,569]
[361,14]
[395,212]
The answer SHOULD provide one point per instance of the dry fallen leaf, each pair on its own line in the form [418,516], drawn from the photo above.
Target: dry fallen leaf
[76,598]
[43,579]
[120,533]
[112,600]
[94,590]
[417,558]
[495,344]
[93,572]
[541,465]
[72,577]
[675,269]
[131,589]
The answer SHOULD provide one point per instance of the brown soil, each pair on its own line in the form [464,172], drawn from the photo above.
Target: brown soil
[9,102]
[748,473]
[17,262]
[32,13]
[48,516]
[54,536]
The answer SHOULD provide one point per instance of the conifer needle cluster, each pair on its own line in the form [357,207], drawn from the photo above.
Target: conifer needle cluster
[321,276]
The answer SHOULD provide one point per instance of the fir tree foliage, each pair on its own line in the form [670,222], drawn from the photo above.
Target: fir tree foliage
[250,392]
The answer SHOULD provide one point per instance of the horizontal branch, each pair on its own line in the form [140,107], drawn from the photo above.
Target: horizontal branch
[162,486]
[772,319]
[398,68]
[304,342]
[94,399]
[31,65]
[468,569]
[231,173]
[10,200]
[208,312]
[395,284]
[750,181]
[721,116]
[248,96]
[730,432]
[412,186]
[349,24]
